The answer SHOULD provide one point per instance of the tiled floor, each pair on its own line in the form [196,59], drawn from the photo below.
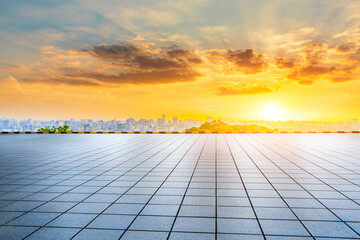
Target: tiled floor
[180,186]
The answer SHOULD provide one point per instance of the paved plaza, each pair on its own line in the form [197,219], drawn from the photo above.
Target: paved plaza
[180,186]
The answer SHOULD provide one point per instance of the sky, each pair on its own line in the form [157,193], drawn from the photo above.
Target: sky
[241,59]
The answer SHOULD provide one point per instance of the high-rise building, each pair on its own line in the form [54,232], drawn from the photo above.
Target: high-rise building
[175,120]
[209,119]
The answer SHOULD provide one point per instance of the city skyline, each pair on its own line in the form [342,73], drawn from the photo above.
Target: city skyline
[169,124]
[272,60]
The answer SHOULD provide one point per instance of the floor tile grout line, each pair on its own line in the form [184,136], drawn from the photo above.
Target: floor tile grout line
[74,188]
[312,183]
[346,149]
[57,160]
[183,197]
[98,189]
[329,172]
[282,198]
[128,188]
[146,204]
[331,162]
[243,183]
[69,178]
[56,167]
[341,220]
[216,187]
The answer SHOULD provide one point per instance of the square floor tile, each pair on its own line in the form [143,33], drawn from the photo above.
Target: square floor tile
[160,210]
[15,232]
[330,229]
[33,219]
[186,224]
[243,226]
[72,220]
[146,235]
[112,221]
[283,227]
[155,223]
[100,234]
[197,211]
[47,233]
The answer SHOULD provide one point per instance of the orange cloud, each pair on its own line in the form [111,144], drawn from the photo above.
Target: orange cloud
[139,62]
[245,90]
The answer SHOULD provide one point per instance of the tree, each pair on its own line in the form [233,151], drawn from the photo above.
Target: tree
[55,129]
[219,126]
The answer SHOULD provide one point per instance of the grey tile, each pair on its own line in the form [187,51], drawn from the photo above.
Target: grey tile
[191,236]
[243,226]
[33,219]
[274,213]
[124,208]
[268,202]
[134,199]
[7,216]
[166,200]
[197,211]
[239,237]
[112,221]
[199,201]
[303,203]
[161,210]
[58,207]
[283,227]
[42,196]
[15,232]
[89,208]
[340,204]
[235,212]
[102,198]
[314,214]
[144,235]
[330,229]
[155,223]
[47,233]
[98,234]
[72,220]
[232,201]
[21,206]
[186,224]
[71,197]
[348,215]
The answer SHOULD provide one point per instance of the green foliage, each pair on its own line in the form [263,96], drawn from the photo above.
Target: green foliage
[219,126]
[64,128]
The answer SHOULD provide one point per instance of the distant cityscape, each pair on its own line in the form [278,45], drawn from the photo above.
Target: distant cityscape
[130,124]
[169,124]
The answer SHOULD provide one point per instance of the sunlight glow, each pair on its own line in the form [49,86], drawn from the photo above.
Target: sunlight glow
[271,113]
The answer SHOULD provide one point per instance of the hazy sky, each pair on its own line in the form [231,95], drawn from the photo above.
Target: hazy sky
[248,59]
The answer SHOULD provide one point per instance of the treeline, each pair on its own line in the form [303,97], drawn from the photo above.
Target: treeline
[64,128]
[219,126]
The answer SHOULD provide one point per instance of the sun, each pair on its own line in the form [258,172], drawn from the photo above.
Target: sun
[271,113]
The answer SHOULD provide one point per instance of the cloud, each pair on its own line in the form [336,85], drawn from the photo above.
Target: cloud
[148,62]
[247,61]
[341,79]
[178,53]
[139,62]
[113,52]
[4,67]
[146,77]
[245,90]
[281,63]
[67,81]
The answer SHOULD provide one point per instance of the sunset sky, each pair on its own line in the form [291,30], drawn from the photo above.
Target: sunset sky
[245,59]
